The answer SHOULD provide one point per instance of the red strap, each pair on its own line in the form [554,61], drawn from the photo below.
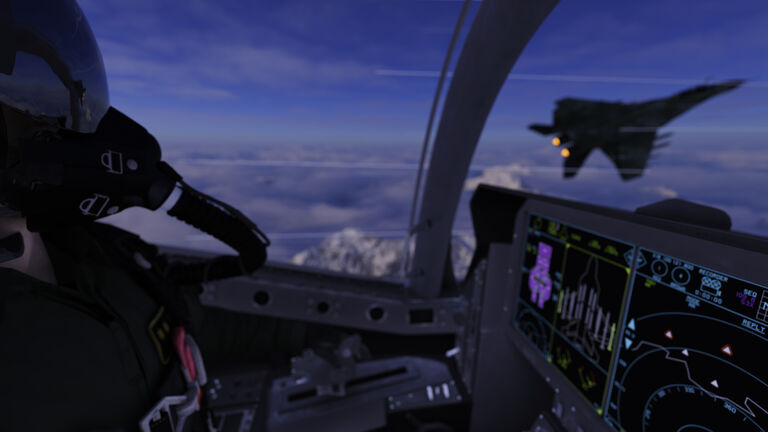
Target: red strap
[185,354]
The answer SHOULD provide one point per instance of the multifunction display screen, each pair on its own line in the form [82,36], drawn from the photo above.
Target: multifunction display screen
[693,351]
[652,342]
[573,286]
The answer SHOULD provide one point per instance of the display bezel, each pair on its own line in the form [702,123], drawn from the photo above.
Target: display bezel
[643,231]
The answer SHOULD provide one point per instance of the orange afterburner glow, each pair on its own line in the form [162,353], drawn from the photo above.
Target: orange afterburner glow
[556,141]
[565,152]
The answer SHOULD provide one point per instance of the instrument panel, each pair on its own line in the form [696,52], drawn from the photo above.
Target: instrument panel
[573,287]
[652,329]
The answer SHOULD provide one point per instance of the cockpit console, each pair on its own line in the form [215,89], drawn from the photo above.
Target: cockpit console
[632,323]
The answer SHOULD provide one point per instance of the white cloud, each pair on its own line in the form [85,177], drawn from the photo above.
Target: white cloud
[312,200]
[661,191]
[286,200]
[509,176]
[735,159]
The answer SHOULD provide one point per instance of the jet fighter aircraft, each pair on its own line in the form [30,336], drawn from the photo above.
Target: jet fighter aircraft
[625,132]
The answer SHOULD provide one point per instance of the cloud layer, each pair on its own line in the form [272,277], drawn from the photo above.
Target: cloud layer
[301,206]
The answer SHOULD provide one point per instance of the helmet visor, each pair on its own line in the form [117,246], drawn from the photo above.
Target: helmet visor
[50,64]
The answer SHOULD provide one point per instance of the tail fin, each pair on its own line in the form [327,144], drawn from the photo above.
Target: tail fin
[542,129]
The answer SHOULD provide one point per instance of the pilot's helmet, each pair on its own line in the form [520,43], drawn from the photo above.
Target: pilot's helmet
[51,73]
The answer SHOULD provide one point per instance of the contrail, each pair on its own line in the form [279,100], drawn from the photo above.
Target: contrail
[565,78]
[375,165]
[323,234]
[301,164]
[723,129]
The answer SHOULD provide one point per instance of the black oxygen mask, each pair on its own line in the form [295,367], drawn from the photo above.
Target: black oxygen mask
[56,178]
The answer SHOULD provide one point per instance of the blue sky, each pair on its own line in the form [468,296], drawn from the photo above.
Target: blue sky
[287,70]
[307,70]
[308,80]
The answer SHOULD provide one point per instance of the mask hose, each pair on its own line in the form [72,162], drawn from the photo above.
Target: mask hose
[225,223]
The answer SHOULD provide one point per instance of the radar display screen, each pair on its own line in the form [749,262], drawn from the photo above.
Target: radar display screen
[574,284]
[692,353]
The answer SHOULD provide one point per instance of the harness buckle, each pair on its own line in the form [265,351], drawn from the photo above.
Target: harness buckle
[176,409]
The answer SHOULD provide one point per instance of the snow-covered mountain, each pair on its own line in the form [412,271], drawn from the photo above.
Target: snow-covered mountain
[353,251]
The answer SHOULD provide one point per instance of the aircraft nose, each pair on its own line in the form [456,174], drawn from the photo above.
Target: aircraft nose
[706,92]
[729,85]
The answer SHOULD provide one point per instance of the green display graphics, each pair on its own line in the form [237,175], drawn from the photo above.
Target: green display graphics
[692,353]
[573,286]
[654,343]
